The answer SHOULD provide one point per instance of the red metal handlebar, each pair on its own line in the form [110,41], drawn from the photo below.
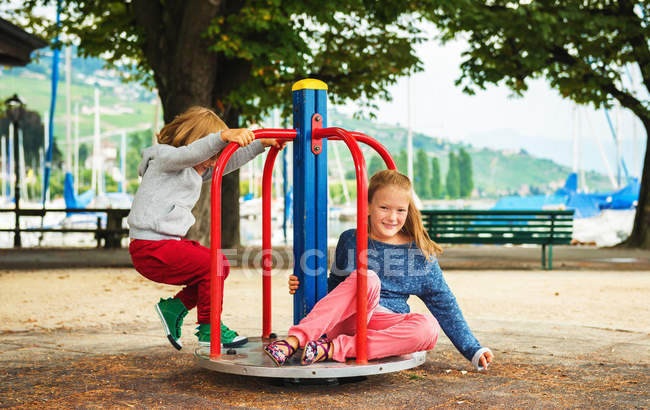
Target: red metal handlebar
[267,261]
[216,262]
[362,235]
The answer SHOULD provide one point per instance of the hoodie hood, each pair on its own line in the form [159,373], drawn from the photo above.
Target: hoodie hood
[147,155]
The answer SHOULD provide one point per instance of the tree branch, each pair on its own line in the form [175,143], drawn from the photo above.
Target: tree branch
[560,55]
[639,43]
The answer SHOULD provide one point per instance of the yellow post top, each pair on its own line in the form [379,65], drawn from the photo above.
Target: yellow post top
[310,84]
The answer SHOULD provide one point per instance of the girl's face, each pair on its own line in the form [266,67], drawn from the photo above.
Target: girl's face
[387,211]
[205,165]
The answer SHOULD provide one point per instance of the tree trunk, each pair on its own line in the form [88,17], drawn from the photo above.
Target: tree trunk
[187,73]
[640,237]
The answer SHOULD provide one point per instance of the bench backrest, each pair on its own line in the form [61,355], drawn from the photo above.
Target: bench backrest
[499,227]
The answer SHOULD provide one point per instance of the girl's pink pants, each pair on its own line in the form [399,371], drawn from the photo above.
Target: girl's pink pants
[389,334]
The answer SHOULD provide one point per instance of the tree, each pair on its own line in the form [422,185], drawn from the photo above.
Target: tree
[240,57]
[436,179]
[583,48]
[376,164]
[453,177]
[84,153]
[465,173]
[422,175]
[32,128]
[402,162]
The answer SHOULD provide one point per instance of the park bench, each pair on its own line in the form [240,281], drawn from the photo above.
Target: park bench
[546,228]
[110,234]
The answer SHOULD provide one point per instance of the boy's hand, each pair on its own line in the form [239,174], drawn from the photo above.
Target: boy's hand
[272,142]
[293,284]
[485,359]
[241,136]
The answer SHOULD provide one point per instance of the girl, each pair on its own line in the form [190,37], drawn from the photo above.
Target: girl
[172,174]
[404,259]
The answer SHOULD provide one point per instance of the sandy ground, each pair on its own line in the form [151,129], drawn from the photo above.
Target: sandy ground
[90,337]
[78,298]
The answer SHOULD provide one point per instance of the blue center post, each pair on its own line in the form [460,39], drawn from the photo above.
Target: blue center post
[309,197]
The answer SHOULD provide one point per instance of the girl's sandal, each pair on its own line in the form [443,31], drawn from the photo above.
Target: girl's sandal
[312,354]
[279,351]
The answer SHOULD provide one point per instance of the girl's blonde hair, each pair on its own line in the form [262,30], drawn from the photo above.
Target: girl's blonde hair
[413,227]
[195,123]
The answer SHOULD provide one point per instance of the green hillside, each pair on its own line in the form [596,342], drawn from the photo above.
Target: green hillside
[35,91]
[496,173]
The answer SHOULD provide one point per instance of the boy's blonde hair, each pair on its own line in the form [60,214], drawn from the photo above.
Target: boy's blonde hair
[413,227]
[195,123]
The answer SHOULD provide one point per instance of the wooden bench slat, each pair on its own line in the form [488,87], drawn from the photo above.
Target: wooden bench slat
[513,241]
[480,225]
[496,212]
[70,230]
[493,218]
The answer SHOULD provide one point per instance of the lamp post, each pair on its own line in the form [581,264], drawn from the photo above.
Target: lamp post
[15,113]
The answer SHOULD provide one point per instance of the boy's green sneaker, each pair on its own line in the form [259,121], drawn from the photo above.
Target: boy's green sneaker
[229,338]
[171,312]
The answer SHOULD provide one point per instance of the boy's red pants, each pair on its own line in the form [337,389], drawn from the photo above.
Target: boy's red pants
[178,262]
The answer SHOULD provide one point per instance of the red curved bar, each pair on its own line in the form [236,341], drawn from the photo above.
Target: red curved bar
[216,261]
[277,133]
[267,179]
[362,236]
[381,150]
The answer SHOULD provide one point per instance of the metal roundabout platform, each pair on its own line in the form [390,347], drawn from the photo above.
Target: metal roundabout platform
[250,360]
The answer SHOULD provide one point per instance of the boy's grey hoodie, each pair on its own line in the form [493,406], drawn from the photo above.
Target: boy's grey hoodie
[170,186]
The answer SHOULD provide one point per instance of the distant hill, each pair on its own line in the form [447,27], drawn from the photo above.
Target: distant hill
[496,172]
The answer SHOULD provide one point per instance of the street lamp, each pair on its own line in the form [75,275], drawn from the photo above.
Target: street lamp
[15,112]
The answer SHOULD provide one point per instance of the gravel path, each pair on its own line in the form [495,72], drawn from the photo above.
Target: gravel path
[90,337]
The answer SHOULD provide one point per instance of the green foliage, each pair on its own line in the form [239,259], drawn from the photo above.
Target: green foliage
[85,179]
[436,179]
[465,173]
[56,183]
[376,164]
[139,140]
[358,47]
[336,190]
[110,183]
[453,177]
[132,186]
[402,162]
[84,153]
[580,47]
[422,175]
[136,142]
[244,187]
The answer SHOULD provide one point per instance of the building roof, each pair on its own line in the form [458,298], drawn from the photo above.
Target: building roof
[16,44]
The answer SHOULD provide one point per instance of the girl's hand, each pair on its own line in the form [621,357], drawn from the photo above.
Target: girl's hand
[485,359]
[272,142]
[241,136]
[293,284]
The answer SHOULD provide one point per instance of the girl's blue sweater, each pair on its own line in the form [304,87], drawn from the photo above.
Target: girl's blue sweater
[404,271]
